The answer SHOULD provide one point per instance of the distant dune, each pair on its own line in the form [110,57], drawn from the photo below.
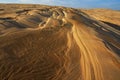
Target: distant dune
[106,15]
[39,42]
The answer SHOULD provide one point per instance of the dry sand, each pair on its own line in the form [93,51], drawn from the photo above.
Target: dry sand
[110,17]
[39,42]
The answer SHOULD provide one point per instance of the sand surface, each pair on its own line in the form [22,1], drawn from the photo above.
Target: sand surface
[39,42]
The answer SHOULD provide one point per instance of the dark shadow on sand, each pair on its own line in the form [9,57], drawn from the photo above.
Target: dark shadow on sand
[112,25]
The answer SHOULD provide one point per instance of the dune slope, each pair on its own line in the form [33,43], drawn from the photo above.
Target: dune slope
[56,43]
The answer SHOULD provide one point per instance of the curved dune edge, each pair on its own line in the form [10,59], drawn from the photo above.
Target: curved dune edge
[57,43]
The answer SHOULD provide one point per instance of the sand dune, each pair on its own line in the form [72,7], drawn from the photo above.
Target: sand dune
[105,15]
[39,42]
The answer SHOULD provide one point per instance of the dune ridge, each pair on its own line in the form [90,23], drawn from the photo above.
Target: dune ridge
[40,42]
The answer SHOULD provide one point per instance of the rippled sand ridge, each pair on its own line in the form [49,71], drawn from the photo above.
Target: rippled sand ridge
[39,42]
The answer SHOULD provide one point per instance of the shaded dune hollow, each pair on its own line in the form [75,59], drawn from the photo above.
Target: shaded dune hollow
[40,42]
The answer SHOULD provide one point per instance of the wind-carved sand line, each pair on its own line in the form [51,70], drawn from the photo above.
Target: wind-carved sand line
[48,20]
[69,43]
[89,61]
[40,27]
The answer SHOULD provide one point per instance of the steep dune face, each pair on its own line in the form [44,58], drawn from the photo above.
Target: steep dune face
[56,43]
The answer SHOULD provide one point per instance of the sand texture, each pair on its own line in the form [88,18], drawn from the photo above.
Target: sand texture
[39,42]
